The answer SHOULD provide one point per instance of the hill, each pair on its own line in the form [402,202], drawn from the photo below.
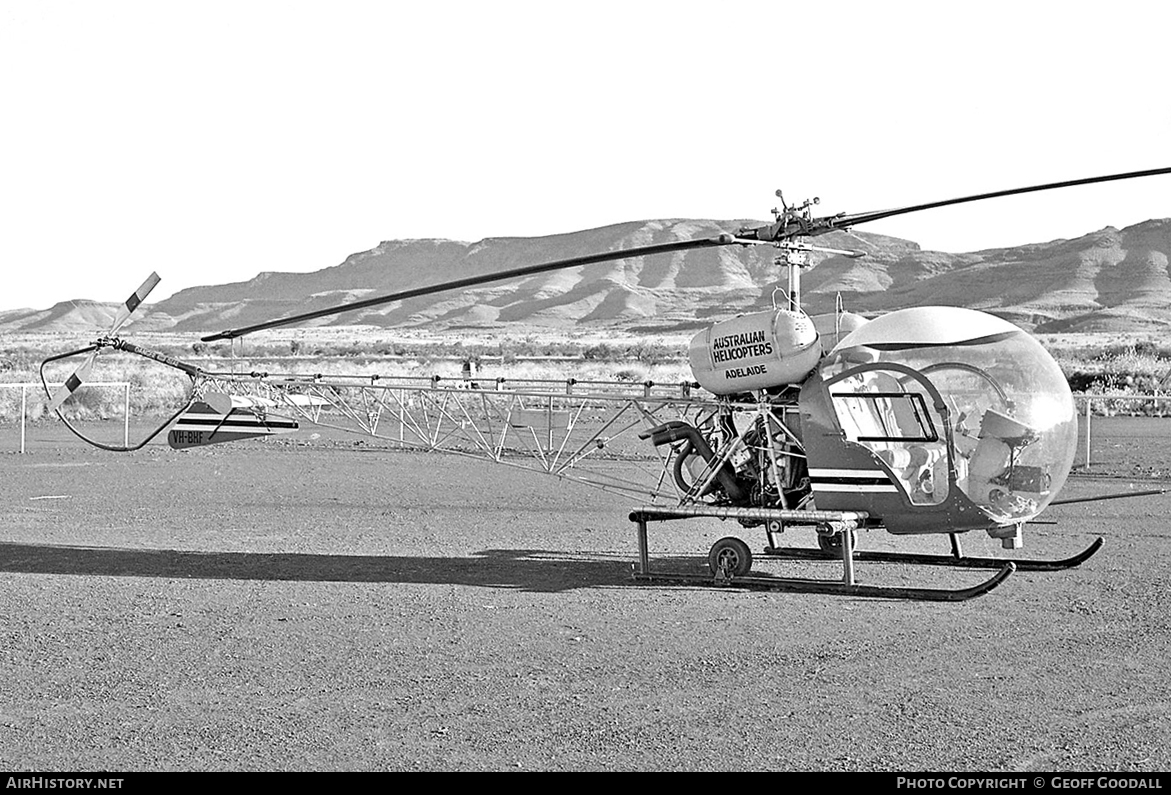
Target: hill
[1107,281]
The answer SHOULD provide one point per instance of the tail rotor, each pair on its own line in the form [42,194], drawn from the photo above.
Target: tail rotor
[82,373]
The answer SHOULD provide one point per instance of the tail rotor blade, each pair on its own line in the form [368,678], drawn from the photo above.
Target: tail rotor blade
[74,382]
[132,303]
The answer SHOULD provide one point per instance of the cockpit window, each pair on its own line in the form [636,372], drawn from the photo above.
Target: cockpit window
[884,417]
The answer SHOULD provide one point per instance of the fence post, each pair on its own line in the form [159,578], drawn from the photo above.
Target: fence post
[402,415]
[23,405]
[126,419]
[1089,402]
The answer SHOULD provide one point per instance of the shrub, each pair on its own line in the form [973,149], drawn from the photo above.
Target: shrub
[602,352]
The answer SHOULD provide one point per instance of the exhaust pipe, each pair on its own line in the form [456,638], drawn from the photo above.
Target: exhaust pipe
[679,431]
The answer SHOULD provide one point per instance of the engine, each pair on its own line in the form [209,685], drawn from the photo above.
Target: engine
[758,463]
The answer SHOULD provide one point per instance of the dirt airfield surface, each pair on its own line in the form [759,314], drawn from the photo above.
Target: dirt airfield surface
[313,605]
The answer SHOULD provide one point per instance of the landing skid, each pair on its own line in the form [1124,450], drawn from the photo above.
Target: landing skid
[955,560]
[730,560]
[831,587]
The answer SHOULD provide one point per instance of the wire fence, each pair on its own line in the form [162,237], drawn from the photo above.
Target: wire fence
[32,396]
[1124,435]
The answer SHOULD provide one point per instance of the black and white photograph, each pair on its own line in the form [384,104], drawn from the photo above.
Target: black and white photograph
[535,387]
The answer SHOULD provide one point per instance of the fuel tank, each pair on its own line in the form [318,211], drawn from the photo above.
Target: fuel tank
[757,351]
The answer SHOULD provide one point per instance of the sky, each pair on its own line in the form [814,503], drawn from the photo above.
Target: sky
[211,141]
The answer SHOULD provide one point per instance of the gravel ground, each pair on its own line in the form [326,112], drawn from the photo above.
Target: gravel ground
[294,606]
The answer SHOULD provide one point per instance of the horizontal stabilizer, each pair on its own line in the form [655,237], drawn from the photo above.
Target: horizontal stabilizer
[202,425]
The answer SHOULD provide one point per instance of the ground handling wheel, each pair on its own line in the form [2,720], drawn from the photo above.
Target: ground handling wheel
[729,557]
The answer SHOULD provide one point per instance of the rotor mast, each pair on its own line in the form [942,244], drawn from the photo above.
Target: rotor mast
[795,250]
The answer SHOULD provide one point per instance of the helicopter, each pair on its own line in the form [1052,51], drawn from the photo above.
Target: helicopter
[925,420]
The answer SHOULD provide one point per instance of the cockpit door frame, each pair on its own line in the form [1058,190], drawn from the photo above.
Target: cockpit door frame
[916,401]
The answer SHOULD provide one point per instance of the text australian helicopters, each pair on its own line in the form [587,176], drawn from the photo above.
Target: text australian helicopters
[925,420]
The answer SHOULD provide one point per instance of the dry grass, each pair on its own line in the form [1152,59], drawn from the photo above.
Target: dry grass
[1093,364]
[156,389]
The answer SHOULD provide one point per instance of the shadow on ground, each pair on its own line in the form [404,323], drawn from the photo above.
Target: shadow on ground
[523,569]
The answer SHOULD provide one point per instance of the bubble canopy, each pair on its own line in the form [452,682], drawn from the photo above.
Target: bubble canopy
[1011,423]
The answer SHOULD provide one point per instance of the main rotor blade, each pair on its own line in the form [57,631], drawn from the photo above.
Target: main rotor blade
[839,221]
[785,228]
[473,281]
